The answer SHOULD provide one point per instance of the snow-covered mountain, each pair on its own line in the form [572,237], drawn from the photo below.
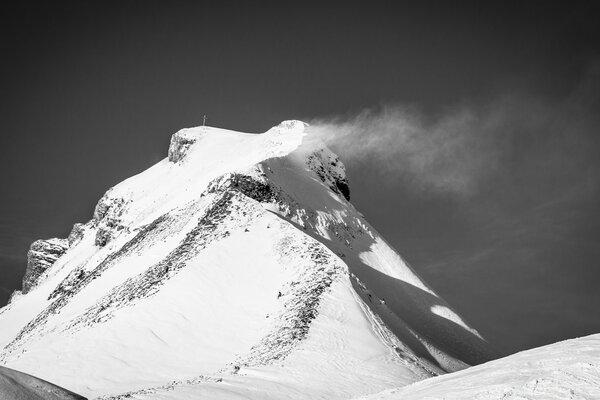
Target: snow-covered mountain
[234,268]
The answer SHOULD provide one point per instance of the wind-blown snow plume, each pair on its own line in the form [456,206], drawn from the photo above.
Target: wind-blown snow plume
[448,154]
[454,151]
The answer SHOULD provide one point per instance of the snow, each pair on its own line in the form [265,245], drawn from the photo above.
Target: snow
[15,385]
[236,268]
[564,370]
[450,315]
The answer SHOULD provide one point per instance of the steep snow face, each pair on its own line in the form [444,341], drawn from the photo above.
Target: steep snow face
[234,267]
[565,370]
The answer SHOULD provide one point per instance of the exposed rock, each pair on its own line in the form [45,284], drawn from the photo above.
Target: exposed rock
[330,170]
[256,188]
[180,143]
[14,295]
[42,254]
[253,188]
[107,216]
[107,232]
[76,234]
[108,206]
[303,294]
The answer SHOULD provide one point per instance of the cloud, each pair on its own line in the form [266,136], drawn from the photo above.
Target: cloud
[458,152]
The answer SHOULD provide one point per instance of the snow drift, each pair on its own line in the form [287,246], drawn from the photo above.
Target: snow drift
[235,267]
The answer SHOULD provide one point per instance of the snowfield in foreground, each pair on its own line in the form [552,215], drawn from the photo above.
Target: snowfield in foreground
[560,371]
[15,385]
[234,268]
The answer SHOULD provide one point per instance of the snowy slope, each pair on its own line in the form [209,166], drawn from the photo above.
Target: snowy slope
[235,267]
[15,385]
[564,370]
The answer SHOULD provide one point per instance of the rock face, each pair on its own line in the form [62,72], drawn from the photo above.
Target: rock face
[42,254]
[331,170]
[180,143]
[76,234]
[107,217]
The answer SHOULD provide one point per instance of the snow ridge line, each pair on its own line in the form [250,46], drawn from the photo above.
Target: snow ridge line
[317,269]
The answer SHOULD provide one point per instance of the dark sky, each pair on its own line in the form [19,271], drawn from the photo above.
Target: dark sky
[92,91]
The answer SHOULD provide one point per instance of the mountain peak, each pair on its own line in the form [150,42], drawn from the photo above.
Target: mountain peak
[182,140]
[238,258]
[290,125]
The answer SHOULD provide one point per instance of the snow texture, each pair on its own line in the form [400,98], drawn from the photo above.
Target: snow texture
[15,385]
[560,371]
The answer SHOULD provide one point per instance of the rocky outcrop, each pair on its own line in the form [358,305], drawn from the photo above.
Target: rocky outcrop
[76,234]
[107,217]
[14,295]
[180,143]
[247,185]
[330,170]
[318,269]
[42,254]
